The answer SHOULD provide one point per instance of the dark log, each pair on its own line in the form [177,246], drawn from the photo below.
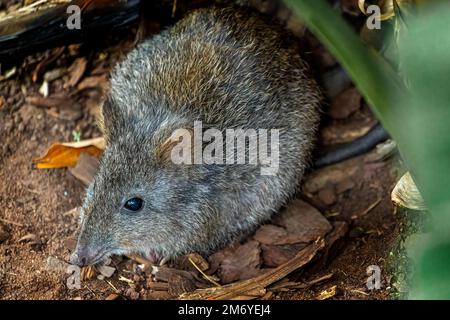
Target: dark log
[47,27]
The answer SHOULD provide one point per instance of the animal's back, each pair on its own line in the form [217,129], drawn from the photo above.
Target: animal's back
[225,66]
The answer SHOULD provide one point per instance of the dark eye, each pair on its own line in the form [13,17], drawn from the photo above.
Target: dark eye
[134,204]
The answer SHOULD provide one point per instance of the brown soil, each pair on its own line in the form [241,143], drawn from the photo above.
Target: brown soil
[35,205]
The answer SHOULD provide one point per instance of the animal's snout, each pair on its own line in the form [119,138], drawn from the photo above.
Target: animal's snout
[84,256]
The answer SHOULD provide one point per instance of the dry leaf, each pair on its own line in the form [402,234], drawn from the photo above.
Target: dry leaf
[262,281]
[274,256]
[241,262]
[406,194]
[327,294]
[303,220]
[61,155]
[270,234]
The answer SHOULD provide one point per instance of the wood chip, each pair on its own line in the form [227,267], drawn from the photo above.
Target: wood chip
[106,271]
[76,71]
[48,102]
[261,282]
[94,82]
[113,296]
[85,168]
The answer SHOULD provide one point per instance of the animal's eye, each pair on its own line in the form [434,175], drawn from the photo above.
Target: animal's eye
[134,204]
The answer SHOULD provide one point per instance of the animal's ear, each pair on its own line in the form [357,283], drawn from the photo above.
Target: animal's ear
[176,148]
[108,118]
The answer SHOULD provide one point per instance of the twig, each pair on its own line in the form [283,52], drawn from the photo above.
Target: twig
[12,222]
[368,209]
[112,286]
[174,8]
[257,285]
[204,274]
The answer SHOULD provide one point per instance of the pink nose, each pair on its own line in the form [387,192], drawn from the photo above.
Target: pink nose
[83,256]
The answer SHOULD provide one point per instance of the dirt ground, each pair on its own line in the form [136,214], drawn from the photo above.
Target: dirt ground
[38,223]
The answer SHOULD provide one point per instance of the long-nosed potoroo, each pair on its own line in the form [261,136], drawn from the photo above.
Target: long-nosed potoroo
[209,127]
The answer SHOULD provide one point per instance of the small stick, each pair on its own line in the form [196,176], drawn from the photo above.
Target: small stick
[204,274]
[12,222]
[174,8]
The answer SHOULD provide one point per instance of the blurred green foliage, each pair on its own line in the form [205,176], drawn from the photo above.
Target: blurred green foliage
[413,104]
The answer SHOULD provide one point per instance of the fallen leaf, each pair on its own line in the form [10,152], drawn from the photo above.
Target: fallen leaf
[241,262]
[407,195]
[303,220]
[270,234]
[327,294]
[274,256]
[262,281]
[61,155]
